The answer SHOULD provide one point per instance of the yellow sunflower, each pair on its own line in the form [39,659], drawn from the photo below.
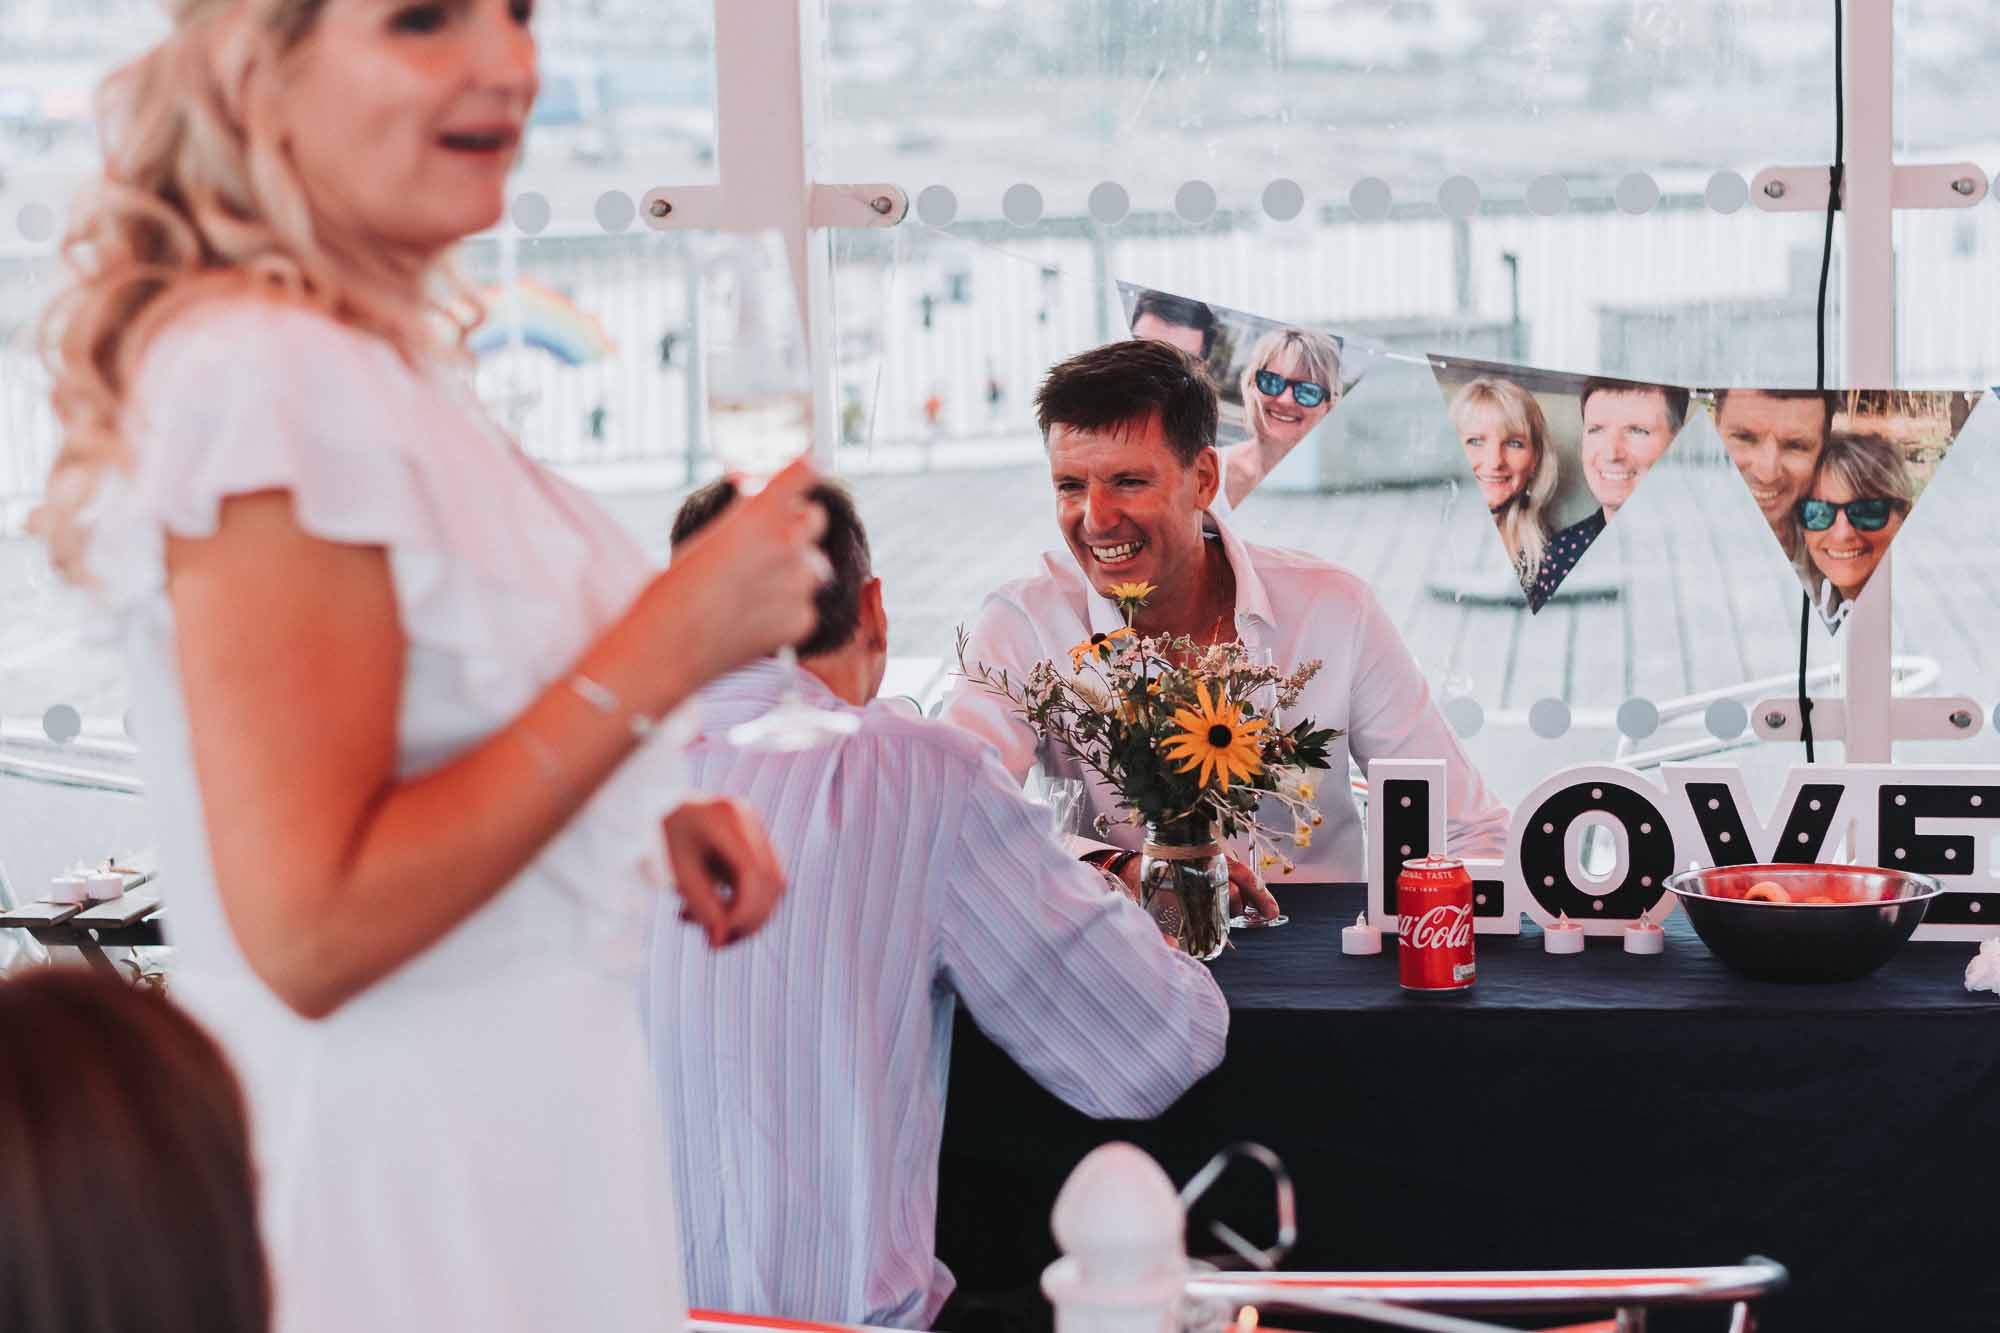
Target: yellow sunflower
[1099,646]
[1217,739]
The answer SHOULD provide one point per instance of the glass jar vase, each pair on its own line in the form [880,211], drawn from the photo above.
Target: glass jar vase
[1184,884]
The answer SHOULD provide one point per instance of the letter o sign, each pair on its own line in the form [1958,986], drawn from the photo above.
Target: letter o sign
[1541,842]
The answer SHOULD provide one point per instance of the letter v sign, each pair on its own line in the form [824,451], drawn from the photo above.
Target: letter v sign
[1714,799]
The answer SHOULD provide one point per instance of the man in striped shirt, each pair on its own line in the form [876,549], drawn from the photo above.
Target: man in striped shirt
[802,1071]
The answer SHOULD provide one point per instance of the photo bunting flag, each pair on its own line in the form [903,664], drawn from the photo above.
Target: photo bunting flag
[1278,381]
[1836,474]
[1554,456]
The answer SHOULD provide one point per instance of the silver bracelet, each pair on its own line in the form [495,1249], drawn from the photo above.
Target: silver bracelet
[545,756]
[606,701]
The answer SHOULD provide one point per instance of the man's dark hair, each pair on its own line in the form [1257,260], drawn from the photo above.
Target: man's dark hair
[1677,399]
[1122,384]
[1180,312]
[1826,402]
[845,543]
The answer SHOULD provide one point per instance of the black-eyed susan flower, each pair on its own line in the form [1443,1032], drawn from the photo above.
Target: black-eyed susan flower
[1131,596]
[1098,647]
[1217,739]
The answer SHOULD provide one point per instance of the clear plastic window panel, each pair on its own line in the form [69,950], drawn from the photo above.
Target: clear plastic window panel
[1947,566]
[1053,151]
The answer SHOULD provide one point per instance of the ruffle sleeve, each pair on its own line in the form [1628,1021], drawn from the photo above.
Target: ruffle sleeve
[501,572]
[253,396]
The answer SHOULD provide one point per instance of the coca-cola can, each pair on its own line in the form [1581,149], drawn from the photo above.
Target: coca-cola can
[1434,902]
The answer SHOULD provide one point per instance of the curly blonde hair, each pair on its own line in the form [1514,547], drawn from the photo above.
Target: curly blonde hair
[1525,521]
[198,198]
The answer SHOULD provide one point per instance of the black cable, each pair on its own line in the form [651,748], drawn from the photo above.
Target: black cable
[1805,701]
[1835,177]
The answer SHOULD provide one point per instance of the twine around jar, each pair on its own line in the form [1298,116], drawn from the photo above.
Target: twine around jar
[1184,851]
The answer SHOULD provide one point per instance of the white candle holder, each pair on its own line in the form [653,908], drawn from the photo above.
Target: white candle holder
[1562,935]
[1645,937]
[1361,938]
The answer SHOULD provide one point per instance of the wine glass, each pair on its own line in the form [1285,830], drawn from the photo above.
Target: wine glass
[1264,699]
[759,398]
[1062,798]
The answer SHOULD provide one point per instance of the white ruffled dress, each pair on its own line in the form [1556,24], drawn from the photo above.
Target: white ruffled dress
[474,1142]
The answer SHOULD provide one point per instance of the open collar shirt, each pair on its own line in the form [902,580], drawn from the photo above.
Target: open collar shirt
[1298,608]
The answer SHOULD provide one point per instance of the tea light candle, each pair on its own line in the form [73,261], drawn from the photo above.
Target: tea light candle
[1645,936]
[1562,936]
[69,888]
[1361,938]
[104,885]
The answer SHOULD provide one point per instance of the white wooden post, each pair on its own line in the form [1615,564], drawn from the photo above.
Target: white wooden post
[1122,1233]
[1868,335]
[1869,720]
[767,101]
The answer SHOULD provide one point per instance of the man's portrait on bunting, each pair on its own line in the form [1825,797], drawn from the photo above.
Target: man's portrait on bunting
[1554,456]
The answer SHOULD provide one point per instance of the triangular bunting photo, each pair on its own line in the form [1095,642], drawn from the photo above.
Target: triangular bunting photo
[1554,456]
[1836,473]
[1278,381]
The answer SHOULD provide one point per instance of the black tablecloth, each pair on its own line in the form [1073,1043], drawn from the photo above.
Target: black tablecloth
[1587,1111]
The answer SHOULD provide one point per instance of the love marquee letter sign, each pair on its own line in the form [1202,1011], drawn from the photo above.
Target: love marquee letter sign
[1941,821]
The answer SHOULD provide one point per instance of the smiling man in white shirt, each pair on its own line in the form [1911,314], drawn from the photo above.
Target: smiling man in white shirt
[802,1071]
[1130,431]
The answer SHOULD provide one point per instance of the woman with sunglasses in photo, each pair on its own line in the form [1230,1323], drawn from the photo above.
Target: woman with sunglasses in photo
[1289,384]
[1854,507]
[1506,438]
[393,681]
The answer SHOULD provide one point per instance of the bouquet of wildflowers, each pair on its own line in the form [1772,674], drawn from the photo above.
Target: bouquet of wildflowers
[1175,727]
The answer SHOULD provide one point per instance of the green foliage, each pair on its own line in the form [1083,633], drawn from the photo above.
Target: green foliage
[1125,697]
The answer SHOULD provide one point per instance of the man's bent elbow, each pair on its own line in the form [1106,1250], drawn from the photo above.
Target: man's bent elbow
[1155,1091]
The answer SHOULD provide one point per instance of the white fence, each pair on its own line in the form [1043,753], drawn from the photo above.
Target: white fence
[944,332]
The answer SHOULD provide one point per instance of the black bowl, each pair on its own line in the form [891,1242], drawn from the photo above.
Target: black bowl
[1873,913]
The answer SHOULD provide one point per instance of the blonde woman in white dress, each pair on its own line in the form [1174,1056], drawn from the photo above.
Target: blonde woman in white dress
[392,682]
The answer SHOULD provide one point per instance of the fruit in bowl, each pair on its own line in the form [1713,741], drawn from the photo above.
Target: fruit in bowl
[1803,923]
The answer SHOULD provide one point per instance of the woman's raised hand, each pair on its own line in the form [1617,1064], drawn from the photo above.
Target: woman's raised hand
[743,587]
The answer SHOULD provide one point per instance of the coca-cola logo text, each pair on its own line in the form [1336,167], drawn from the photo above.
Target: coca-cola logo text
[1442,927]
